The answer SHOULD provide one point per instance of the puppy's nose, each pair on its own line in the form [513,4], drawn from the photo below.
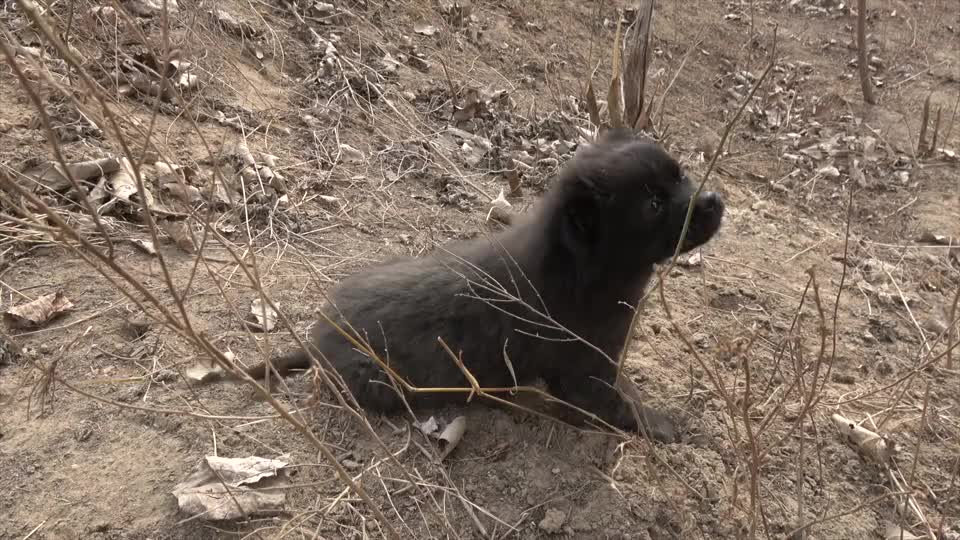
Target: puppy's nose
[710,202]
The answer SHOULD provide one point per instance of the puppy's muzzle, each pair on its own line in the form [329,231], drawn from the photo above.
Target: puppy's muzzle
[709,206]
[707,216]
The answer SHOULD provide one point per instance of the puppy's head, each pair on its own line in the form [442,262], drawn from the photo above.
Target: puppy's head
[625,198]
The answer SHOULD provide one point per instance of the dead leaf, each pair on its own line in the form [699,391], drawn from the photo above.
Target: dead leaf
[875,270]
[513,181]
[329,199]
[38,312]
[266,317]
[216,191]
[502,215]
[876,447]
[148,8]
[233,25]
[200,373]
[53,176]
[10,351]
[425,29]
[615,94]
[123,185]
[450,436]
[637,50]
[135,327]
[181,234]
[893,531]
[501,207]
[184,192]
[428,427]
[349,154]
[145,246]
[928,237]
[220,484]
[592,106]
[830,171]
[693,260]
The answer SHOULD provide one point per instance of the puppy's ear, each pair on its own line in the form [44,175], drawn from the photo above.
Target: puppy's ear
[615,135]
[586,203]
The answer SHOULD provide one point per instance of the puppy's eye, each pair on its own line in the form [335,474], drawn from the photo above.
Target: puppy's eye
[655,205]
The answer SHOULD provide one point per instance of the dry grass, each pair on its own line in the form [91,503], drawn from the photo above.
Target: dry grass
[774,381]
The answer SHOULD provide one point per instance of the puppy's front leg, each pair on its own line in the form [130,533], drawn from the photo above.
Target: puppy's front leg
[596,395]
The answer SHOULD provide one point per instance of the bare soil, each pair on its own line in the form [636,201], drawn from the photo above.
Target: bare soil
[100,460]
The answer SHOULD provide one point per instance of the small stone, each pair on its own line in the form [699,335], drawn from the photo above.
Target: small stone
[844,378]
[935,326]
[552,522]
[101,527]
[884,368]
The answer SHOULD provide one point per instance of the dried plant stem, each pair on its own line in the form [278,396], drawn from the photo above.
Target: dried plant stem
[189,333]
[866,85]
[952,328]
[686,223]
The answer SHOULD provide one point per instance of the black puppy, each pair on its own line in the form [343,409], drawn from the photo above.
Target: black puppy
[554,293]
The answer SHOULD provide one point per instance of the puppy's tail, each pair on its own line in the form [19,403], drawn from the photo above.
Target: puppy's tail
[297,359]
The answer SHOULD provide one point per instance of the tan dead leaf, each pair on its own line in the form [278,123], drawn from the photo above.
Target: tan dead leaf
[428,427]
[872,445]
[329,199]
[243,153]
[148,8]
[501,200]
[928,237]
[615,94]
[10,351]
[502,215]
[636,46]
[218,485]
[186,81]
[145,246]
[513,181]
[217,193]
[349,154]
[499,205]
[269,160]
[254,50]
[99,192]
[38,312]
[324,9]
[265,317]
[136,326]
[233,25]
[123,185]
[425,29]
[200,373]
[892,531]
[184,192]
[53,176]
[592,106]
[181,233]
[390,64]
[450,436]
[693,260]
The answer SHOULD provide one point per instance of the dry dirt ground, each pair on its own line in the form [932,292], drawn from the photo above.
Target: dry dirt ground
[355,102]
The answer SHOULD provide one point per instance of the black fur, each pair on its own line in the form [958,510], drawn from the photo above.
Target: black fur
[581,258]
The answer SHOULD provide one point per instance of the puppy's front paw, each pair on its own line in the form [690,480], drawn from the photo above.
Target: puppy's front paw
[658,425]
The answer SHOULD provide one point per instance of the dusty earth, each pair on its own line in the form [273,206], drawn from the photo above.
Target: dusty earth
[355,102]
